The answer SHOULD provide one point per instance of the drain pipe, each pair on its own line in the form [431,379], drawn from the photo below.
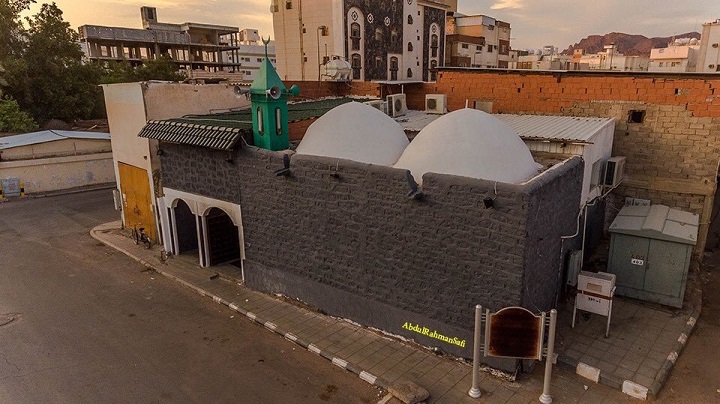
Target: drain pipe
[583,211]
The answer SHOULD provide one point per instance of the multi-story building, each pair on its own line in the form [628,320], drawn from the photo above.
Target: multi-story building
[192,46]
[381,39]
[477,41]
[250,54]
[611,59]
[679,57]
[709,53]
[547,58]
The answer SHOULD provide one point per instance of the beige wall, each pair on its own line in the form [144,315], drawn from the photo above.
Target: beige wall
[58,148]
[291,43]
[130,105]
[57,173]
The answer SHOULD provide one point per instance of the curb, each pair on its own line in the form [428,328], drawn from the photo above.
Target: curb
[339,362]
[628,386]
[60,192]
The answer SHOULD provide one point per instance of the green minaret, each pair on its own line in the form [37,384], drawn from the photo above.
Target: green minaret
[269,107]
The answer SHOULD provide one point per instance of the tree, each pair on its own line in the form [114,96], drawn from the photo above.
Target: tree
[11,27]
[161,68]
[12,119]
[49,80]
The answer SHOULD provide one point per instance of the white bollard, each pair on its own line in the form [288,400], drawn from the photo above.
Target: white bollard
[475,389]
[545,398]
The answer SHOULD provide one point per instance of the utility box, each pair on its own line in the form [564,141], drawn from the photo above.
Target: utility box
[650,250]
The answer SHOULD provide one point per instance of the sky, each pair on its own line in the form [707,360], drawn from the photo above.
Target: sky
[534,23]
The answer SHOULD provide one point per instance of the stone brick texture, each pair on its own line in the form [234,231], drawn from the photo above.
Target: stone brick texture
[352,227]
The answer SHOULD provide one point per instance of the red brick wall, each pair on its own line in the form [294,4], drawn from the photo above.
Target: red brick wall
[314,89]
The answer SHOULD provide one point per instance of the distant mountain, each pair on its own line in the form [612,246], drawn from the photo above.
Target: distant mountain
[631,45]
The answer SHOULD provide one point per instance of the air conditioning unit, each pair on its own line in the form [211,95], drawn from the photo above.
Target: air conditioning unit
[377,104]
[436,103]
[614,169]
[396,105]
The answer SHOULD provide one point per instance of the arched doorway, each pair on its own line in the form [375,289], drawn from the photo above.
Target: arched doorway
[187,237]
[223,238]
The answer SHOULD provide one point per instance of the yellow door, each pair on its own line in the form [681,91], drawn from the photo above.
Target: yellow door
[135,189]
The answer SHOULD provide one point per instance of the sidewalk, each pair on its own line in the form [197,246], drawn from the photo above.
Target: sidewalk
[376,359]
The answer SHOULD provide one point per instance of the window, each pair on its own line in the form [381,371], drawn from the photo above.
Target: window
[433,74]
[478,48]
[259,60]
[409,73]
[274,8]
[410,19]
[465,46]
[410,47]
[393,68]
[636,116]
[434,45]
[278,121]
[288,5]
[490,48]
[356,64]
[355,36]
[378,34]
[260,123]
[662,64]
[378,61]
[393,37]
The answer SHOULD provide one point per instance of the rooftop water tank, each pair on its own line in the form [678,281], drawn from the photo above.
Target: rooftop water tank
[338,70]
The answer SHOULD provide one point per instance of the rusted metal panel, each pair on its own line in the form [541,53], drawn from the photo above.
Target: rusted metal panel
[135,189]
[514,332]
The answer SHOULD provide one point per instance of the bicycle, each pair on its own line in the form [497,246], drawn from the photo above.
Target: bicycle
[139,236]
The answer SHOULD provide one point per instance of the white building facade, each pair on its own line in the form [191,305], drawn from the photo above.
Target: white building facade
[250,54]
[479,41]
[678,57]
[709,52]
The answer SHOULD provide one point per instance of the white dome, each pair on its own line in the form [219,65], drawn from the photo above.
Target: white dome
[357,132]
[469,143]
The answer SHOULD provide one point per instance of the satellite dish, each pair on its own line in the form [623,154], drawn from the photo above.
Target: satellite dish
[274,92]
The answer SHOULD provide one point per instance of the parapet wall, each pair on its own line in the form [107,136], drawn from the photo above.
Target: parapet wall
[345,238]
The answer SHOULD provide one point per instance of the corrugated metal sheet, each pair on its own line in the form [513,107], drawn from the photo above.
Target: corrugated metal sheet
[214,137]
[529,127]
[559,128]
[27,139]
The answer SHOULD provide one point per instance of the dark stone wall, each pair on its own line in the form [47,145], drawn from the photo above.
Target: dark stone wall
[553,209]
[354,245]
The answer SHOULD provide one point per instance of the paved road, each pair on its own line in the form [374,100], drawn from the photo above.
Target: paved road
[92,326]
[696,376]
